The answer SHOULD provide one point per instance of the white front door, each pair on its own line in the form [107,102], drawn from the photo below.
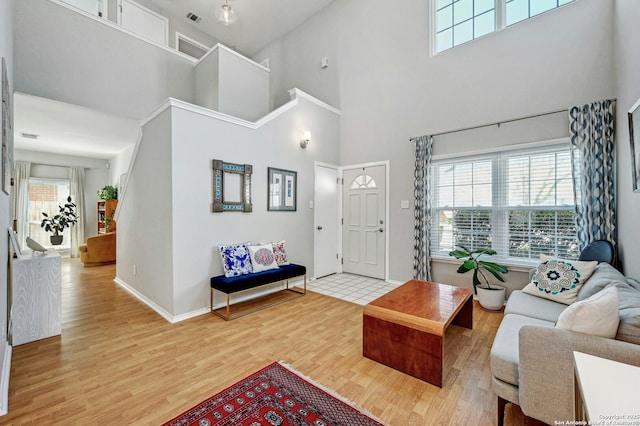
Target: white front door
[364,229]
[326,220]
[142,21]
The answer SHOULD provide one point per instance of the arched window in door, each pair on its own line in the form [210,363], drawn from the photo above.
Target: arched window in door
[363,182]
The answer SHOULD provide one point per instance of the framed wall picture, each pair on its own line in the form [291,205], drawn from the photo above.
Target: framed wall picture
[634,137]
[282,190]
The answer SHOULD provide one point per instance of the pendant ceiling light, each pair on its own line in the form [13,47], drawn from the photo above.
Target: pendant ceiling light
[226,15]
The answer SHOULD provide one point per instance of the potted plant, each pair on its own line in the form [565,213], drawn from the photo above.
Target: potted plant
[108,193]
[490,297]
[56,224]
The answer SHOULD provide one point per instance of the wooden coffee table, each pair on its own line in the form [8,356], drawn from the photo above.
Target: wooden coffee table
[405,328]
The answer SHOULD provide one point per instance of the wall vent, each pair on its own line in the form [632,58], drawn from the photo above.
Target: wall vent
[30,136]
[195,18]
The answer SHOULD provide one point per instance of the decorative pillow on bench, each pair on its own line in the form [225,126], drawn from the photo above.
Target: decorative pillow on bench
[280,253]
[262,257]
[235,259]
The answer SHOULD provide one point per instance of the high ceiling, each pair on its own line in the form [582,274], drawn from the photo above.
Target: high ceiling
[259,21]
[73,130]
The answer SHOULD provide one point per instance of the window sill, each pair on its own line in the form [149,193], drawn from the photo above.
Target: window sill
[516,267]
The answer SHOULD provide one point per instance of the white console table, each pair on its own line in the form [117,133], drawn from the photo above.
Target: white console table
[36,293]
[606,391]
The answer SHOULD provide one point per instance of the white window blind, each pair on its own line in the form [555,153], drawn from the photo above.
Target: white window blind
[519,203]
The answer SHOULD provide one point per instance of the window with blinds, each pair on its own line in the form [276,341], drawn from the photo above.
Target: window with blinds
[519,203]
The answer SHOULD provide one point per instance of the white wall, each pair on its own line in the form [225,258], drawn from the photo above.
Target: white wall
[230,83]
[6,51]
[65,56]
[119,165]
[627,39]
[243,87]
[174,247]
[390,89]
[145,216]
[54,166]
[207,80]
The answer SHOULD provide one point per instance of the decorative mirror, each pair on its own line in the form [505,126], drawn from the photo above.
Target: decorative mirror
[231,187]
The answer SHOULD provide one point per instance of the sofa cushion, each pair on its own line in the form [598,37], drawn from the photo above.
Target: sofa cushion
[504,352]
[533,306]
[559,279]
[596,315]
[601,277]
[629,304]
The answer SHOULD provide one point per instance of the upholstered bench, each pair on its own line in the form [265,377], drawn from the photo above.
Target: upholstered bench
[240,283]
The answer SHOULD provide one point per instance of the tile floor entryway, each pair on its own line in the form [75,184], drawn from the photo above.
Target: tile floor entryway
[352,288]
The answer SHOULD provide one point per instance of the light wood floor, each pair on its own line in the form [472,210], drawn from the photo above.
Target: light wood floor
[119,363]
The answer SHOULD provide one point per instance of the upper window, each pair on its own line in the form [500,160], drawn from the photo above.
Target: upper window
[519,203]
[459,21]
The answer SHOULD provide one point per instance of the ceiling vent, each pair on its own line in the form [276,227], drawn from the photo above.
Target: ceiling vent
[193,17]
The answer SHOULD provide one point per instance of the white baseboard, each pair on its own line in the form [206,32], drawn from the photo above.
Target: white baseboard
[144,299]
[202,311]
[4,379]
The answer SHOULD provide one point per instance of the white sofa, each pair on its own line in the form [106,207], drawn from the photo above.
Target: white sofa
[532,361]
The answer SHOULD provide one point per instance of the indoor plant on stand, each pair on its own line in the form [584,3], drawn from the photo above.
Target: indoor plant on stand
[490,297]
[56,224]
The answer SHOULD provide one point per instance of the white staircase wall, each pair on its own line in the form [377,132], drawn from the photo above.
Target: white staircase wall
[165,224]
[232,84]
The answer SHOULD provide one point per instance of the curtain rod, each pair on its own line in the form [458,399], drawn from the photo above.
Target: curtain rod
[498,123]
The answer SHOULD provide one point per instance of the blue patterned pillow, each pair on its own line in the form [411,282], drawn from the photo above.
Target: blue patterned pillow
[235,259]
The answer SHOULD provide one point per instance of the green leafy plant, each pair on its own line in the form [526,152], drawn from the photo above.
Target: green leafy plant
[473,263]
[108,193]
[64,219]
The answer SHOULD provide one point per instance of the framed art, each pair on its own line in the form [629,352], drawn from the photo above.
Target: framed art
[634,138]
[282,195]
[231,187]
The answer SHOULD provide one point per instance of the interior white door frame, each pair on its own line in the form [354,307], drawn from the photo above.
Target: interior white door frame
[315,219]
[387,173]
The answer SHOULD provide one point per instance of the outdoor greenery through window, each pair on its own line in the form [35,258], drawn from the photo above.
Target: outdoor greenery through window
[459,21]
[44,196]
[519,203]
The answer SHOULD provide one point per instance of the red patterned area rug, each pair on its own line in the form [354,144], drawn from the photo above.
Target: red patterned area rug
[276,395]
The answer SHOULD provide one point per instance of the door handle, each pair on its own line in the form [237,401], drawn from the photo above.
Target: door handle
[381,230]
[319,228]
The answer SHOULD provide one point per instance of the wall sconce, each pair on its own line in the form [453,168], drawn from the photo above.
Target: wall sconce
[306,138]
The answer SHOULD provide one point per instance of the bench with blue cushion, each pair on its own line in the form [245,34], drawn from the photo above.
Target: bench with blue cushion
[239,283]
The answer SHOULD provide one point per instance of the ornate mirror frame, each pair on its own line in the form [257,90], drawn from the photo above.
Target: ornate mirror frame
[231,202]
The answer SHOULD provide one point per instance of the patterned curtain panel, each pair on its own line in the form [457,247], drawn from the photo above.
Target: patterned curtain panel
[592,133]
[422,213]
